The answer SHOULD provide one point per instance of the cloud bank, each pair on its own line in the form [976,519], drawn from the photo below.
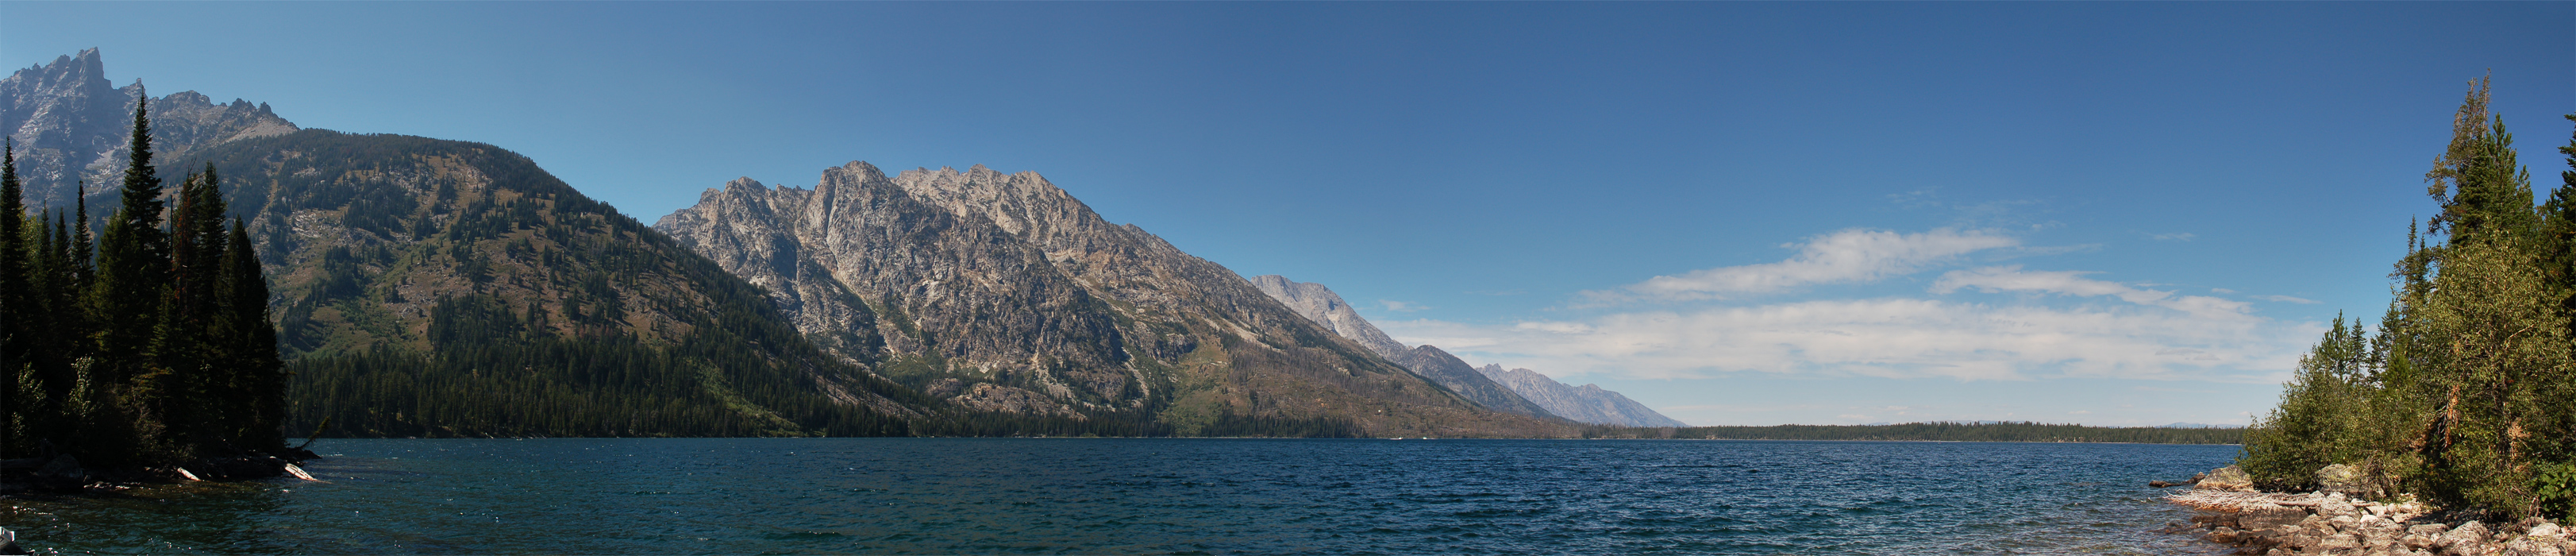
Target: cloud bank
[1854,255]
[2053,324]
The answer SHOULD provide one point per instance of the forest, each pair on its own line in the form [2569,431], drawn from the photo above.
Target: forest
[2463,395]
[148,345]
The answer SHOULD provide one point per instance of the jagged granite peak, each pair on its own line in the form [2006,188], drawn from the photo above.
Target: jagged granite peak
[1003,291]
[954,292]
[1588,403]
[1320,304]
[69,123]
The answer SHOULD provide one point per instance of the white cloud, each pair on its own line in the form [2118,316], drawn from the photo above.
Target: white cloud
[2067,282]
[1854,255]
[2183,236]
[2287,299]
[1894,338]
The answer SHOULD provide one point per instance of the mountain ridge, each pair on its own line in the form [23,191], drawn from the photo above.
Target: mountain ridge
[1109,317]
[69,123]
[1517,389]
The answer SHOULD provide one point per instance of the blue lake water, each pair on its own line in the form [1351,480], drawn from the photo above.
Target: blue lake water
[1147,496]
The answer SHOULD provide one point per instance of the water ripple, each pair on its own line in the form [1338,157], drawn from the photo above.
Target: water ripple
[1166,496]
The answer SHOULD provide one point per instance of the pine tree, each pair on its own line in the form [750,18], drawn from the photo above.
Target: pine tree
[18,315]
[133,269]
[2476,180]
[257,386]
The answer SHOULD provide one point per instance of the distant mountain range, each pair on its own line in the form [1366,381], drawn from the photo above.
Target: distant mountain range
[1518,390]
[429,287]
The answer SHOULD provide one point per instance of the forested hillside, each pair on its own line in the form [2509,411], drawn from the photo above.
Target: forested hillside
[2466,392]
[148,345]
[445,288]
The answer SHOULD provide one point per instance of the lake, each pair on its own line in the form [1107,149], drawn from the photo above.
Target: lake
[1146,496]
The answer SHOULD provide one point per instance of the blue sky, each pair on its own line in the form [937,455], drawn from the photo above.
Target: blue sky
[1738,213]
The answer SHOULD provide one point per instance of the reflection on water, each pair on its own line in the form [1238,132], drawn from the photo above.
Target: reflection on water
[1156,496]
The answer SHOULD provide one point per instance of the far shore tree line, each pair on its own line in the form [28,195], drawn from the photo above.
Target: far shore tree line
[147,345]
[2466,392]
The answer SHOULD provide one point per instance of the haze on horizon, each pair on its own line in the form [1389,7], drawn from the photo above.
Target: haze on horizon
[1735,213]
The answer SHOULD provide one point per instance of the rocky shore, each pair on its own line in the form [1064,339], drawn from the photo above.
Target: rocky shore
[2332,521]
[64,474]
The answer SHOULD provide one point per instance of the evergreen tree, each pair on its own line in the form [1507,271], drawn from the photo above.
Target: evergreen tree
[133,269]
[257,382]
[2476,180]
[18,314]
[2467,395]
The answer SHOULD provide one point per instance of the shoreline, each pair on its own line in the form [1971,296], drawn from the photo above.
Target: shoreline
[63,474]
[2269,523]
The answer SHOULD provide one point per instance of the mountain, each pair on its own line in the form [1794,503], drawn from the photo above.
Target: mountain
[426,287]
[1005,293]
[1588,403]
[444,288]
[69,123]
[1519,391]
[1319,304]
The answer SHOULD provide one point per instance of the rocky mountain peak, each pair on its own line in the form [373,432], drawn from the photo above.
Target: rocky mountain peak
[71,124]
[1002,292]
[76,72]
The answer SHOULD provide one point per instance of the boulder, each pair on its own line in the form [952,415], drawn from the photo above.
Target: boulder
[2223,535]
[2266,518]
[2469,539]
[2547,529]
[2340,478]
[2533,546]
[2229,478]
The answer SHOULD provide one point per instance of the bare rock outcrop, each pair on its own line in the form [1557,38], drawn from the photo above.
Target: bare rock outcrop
[69,123]
[1320,304]
[2333,523]
[1003,292]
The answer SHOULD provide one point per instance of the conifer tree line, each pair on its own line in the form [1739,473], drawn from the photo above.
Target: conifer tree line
[2466,393]
[148,345]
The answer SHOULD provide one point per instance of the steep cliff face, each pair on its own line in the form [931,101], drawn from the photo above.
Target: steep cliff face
[1004,292]
[69,123]
[963,300]
[1588,403]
